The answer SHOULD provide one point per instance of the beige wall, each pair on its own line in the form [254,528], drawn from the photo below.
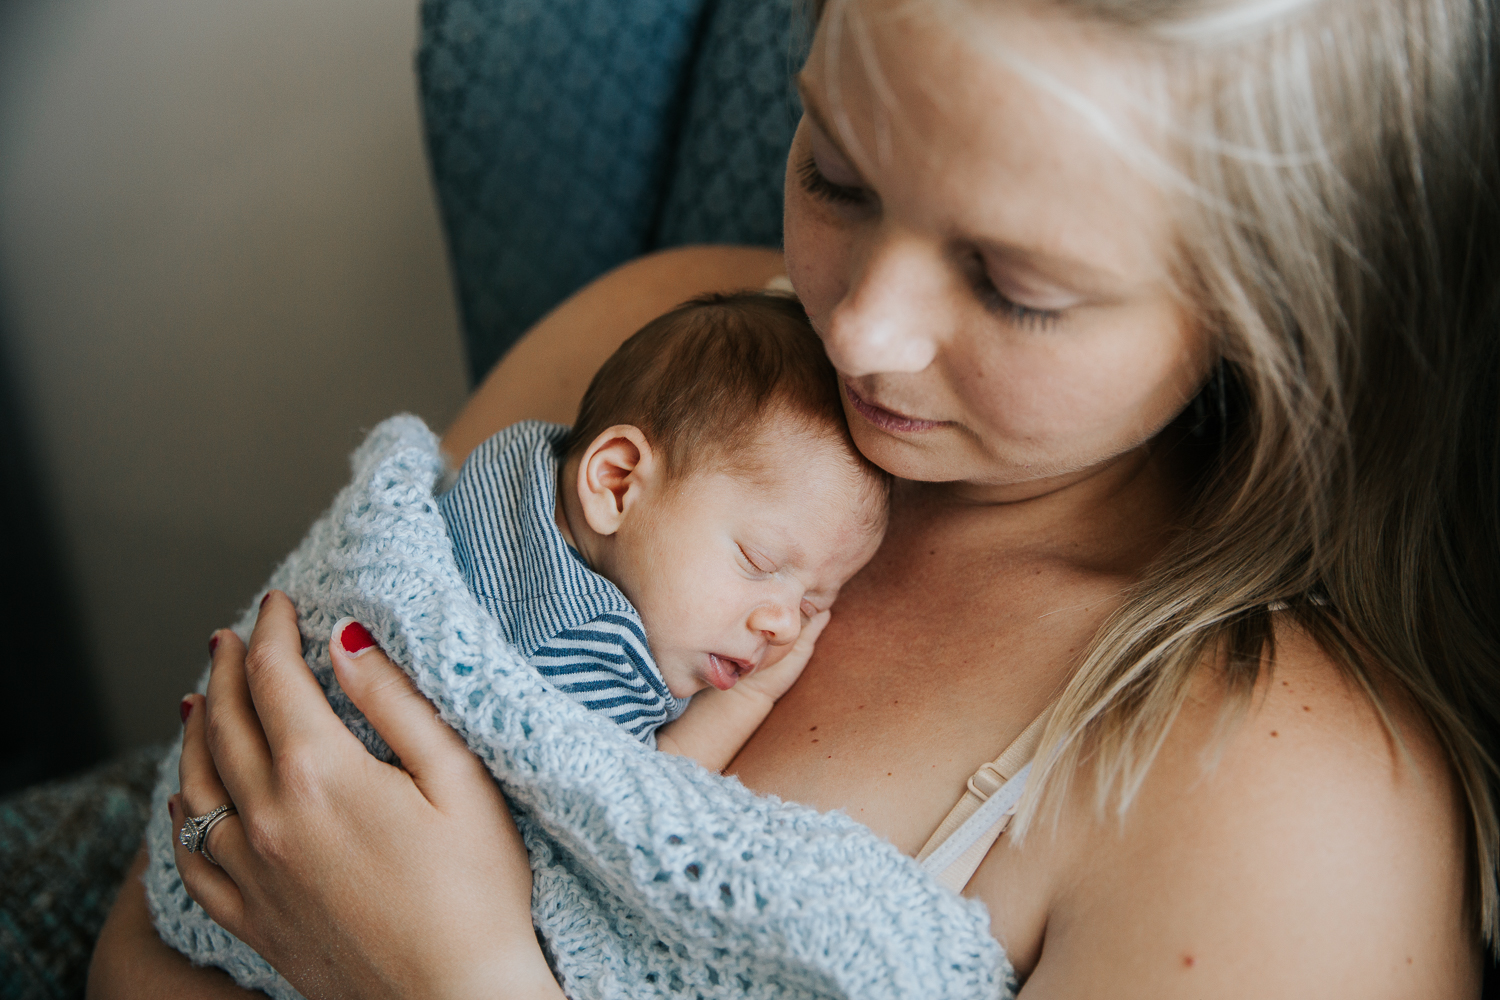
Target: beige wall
[219,260]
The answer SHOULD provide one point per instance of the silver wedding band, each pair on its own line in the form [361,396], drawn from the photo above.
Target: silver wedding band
[194,833]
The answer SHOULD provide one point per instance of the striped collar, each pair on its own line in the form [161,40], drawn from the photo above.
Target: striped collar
[501,515]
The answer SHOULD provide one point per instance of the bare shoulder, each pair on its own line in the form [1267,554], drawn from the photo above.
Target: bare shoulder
[1302,853]
[544,375]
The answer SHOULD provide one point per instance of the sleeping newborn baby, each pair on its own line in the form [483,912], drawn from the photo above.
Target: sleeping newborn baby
[689,534]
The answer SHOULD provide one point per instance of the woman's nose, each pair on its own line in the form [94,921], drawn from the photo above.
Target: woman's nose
[892,312]
[779,623]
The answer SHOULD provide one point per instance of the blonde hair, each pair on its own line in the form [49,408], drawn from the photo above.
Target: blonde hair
[1337,162]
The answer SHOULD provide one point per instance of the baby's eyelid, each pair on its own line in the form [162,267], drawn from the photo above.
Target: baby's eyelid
[761,564]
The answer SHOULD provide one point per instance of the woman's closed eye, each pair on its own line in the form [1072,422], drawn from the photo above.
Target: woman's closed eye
[815,183]
[1028,317]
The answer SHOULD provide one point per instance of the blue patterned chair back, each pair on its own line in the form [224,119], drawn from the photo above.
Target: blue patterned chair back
[569,136]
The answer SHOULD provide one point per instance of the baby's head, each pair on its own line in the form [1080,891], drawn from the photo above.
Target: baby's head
[712,478]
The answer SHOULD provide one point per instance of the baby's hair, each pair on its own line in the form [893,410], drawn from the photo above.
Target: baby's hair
[700,380]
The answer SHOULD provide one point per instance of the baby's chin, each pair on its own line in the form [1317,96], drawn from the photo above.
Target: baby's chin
[682,680]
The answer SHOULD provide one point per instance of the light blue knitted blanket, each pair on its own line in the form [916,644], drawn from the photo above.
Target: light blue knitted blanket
[653,876]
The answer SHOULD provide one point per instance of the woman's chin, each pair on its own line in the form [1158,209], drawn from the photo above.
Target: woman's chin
[941,457]
[925,460]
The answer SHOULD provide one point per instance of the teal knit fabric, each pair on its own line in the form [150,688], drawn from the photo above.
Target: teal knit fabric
[550,127]
[727,174]
[569,136]
[653,876]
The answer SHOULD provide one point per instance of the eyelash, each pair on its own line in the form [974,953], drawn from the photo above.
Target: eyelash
[752,563]
[815,184]
[1024,317]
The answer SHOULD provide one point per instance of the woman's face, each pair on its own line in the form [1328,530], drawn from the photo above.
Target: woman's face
[988,274]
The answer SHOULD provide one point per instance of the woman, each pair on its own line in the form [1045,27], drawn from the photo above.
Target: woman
[1175,322]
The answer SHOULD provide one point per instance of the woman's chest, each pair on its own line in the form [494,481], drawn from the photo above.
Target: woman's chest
[936,658]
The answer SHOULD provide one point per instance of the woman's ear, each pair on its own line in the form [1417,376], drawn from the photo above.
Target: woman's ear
[618,467]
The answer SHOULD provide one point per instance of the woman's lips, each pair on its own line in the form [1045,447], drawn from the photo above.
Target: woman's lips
[887,420]
[724,671]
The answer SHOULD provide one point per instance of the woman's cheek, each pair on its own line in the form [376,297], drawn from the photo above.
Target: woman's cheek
[1035,397]
[816,252]
[808,274]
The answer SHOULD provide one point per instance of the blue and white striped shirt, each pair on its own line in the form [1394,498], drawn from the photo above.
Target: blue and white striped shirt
[573,625]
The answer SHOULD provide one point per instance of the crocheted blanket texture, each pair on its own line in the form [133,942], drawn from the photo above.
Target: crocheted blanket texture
[653,877]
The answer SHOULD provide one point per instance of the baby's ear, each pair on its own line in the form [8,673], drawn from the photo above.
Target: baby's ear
[618,467]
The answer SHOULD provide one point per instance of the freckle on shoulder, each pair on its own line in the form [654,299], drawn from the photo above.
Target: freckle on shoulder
[1309,719]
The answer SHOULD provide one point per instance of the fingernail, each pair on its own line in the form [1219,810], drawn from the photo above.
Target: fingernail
[187,707]
[355,638]
[263,600]
[172,808]
[213,643]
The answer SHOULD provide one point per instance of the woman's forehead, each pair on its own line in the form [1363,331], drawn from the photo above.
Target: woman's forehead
[1004,127]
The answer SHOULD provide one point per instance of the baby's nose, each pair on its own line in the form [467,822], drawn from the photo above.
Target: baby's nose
[779,623]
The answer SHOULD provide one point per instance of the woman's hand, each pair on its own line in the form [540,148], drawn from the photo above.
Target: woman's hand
[352,877]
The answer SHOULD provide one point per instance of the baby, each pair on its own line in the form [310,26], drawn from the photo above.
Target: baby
[668,563]
[688,534]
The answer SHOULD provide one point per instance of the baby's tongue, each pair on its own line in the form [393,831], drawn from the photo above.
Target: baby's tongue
[721,673]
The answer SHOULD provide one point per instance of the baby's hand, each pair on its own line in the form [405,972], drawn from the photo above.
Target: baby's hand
[775,680]
[718,723]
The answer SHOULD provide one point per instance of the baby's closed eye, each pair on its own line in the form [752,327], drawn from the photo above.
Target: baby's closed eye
[757,561]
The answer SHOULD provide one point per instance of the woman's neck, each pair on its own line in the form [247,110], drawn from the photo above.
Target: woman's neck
[1114,516]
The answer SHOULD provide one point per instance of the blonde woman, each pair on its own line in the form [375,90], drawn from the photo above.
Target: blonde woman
[1176,323]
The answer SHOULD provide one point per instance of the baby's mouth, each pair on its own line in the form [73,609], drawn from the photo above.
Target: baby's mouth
[724,671]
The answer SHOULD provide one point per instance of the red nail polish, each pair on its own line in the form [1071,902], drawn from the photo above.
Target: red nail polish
[186,708]
[172,808]
[355,637]
[263,600]
[213,643]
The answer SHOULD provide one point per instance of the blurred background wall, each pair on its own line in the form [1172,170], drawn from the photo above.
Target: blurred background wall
[219,263]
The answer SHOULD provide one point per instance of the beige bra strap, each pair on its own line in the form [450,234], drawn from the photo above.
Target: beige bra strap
[984,783]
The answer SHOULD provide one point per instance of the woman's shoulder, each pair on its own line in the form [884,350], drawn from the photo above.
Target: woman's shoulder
[1295,849]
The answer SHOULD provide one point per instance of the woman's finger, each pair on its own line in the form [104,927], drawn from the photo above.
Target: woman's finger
[287,699]
[202,792]
[433,754]
[232,733]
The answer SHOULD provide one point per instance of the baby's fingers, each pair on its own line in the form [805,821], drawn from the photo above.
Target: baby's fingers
[777,678]
[810,632]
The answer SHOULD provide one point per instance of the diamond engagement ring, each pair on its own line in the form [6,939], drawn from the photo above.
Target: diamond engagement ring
[194,833]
